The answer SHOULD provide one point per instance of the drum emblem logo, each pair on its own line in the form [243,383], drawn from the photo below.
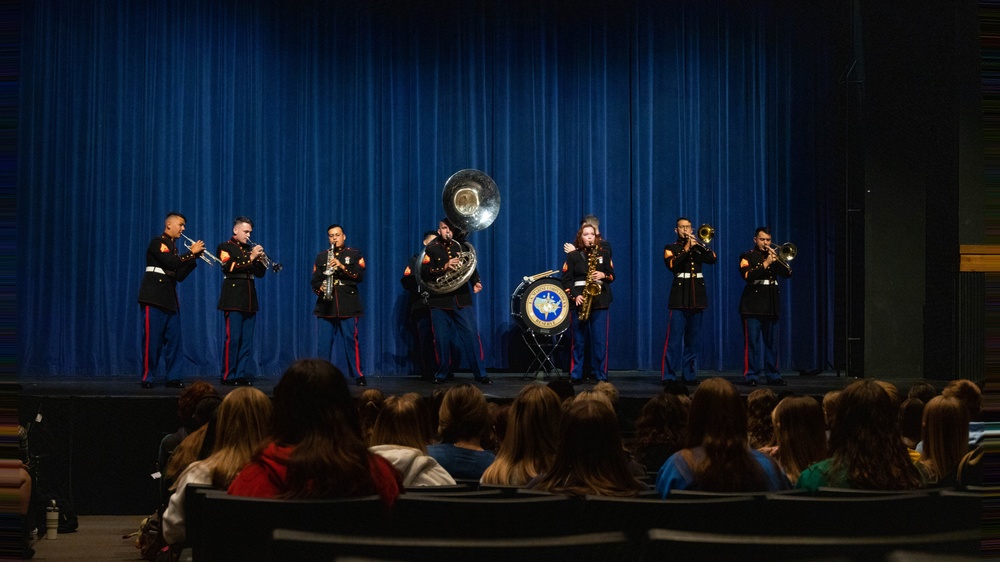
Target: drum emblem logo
[548,307]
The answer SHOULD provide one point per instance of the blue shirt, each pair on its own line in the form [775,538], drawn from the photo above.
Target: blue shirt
[676,474]
[463,464]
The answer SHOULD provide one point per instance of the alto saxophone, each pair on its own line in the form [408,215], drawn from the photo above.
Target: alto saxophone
[592,288]
[328,282]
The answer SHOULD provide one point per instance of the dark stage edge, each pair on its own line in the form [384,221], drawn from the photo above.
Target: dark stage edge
[96,438]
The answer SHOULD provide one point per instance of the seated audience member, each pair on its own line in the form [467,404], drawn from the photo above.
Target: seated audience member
[369,404]
[529,444]
[760,428]
[922,391]
[197,445]
[242,423]
[462,421]
[945,439]
[866,450]
[800,435]
[893,391]
[494,436]
[911,420]
[830,408]
[316,450]
[189,421]
[659,430]
[718,457]
[604,397]
[399,437]
[590,458]
[610,391]
[970,395]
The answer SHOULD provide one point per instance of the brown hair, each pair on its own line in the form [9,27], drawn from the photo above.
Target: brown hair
[578,241]
[401,421]
[945,436]
[969,393]
[865,442]
[800,433]
[718,423]
[463,415]
[369,404]
[189,398]
[531,439]
[590,458]
[186,452]
[760,428]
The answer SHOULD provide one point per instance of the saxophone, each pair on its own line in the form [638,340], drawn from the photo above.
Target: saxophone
[592,288]
[328,282]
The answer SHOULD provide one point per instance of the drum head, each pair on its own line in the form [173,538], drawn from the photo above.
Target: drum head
[541,307]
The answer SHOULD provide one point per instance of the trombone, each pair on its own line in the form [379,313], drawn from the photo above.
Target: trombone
[209,258]
[705,235]
[786,252]
[266,260]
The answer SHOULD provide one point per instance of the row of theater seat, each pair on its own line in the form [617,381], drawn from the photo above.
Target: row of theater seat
[435,524]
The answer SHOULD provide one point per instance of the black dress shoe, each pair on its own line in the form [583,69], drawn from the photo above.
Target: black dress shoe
[485,380]
[147,384]
[360,381]
[175,384]
[751,382]
[777,382]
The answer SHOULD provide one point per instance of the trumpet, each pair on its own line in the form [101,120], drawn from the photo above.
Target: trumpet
[786,252]
[209,258]
[266,260]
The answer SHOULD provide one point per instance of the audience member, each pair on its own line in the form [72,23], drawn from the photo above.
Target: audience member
[911,419]
[893,391]
[186,403]
[718,457]
[800,435]
[197,445]
[760,427]
[369,404]
[316,450]
[866,450]
[945,439]
[590,456]
[399,437]
[531,438]
[659,430]
[830,400]
[463,420]
[922,391]
[971,395]
[242,424]
[608,390]
[498,426]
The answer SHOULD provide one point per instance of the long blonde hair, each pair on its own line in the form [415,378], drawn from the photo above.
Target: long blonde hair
[241,431]
[531,440]
[945,436]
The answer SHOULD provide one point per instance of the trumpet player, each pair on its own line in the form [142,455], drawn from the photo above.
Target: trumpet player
[241,263]
[452,317]
[588,268]
[759,308]
[158,300]
[335,277]
[688,300]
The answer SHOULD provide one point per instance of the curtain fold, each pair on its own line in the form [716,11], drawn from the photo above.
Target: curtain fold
[304,114]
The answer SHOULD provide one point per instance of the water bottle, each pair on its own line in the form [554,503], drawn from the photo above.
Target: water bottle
[52,521]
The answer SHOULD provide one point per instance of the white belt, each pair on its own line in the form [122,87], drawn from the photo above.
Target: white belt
[765,282]
[689,275]
[584,283]
[151,269]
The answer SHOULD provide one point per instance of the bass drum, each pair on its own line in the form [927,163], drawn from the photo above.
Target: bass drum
[541,307]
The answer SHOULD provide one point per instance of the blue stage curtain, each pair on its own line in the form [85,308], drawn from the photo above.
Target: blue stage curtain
[301,114]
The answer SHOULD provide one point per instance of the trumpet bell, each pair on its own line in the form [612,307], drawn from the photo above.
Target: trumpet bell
[788,251]
[706,233]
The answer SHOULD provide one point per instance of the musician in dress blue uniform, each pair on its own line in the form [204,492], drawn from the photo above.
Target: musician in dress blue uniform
[338,306]
[760,307]
[241,263]
[594,330]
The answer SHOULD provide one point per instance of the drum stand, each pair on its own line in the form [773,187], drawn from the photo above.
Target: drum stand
[543,347]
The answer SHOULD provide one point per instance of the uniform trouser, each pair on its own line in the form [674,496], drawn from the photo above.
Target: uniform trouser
[423,352]
[458,326]
[338,342]
[760,355]
[161,336]
[239,342]
[593,332]
[681,346]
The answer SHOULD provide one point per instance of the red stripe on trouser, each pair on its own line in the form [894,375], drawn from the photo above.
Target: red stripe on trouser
[746,349]
[357,350]
[145,350]
[225,354]
[663,362]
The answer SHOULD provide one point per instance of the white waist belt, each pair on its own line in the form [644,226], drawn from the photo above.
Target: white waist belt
[583,283]
[689,275]
[151,269]
[765,282]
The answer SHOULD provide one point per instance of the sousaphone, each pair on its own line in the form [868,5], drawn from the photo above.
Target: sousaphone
[471,202]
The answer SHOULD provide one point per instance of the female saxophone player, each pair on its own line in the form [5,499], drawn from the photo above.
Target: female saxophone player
[586,277]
